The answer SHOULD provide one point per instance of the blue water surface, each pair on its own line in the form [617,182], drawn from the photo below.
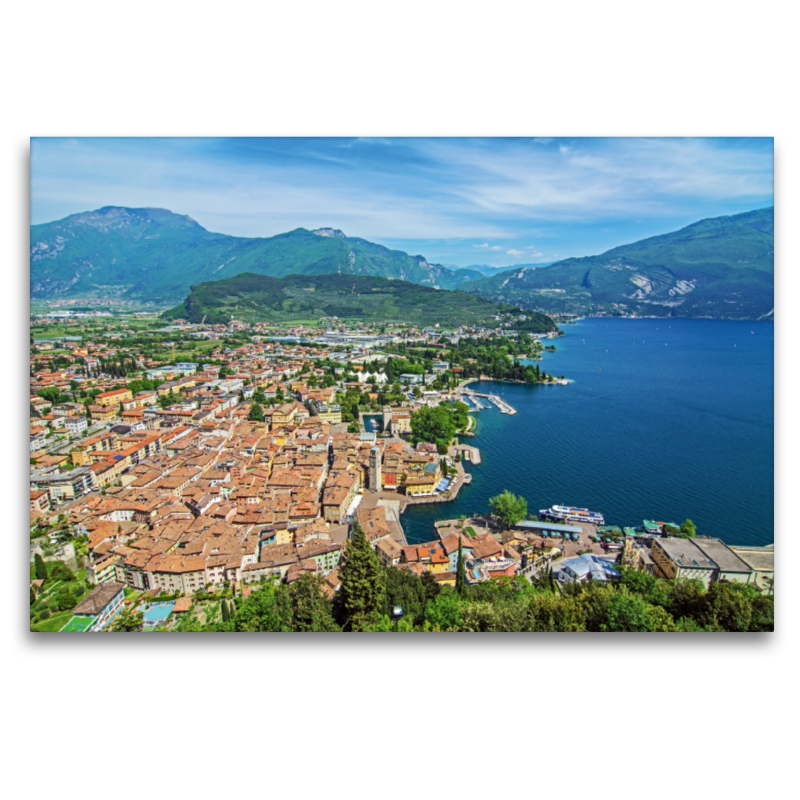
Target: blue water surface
[664,419]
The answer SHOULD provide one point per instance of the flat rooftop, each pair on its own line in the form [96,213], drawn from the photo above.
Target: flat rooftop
[759,558]
[684,552]
[548,526]
[722,555]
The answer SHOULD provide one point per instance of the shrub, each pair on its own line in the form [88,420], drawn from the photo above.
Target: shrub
[66,601]
[45,614]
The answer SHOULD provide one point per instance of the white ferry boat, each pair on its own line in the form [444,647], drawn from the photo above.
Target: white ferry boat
[573,514]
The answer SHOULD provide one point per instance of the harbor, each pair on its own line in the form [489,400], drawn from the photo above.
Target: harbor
[473,396]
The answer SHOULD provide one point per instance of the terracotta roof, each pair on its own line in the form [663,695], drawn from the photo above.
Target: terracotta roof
[98,598]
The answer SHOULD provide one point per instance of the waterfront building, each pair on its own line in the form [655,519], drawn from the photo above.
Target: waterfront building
[681,558]
[762,561]
[98,608]
[730,567]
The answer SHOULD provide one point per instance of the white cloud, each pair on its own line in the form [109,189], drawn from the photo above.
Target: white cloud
[468,189]
[514,252]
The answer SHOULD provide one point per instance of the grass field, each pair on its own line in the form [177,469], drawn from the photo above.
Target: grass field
[76,625]
[54,623]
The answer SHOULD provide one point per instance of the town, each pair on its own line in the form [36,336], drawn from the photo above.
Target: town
[165,490]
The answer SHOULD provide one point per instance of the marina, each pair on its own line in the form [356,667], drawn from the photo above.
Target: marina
[581,443]
[501,405]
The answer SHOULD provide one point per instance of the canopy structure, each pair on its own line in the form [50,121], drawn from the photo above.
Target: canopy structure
[548,527]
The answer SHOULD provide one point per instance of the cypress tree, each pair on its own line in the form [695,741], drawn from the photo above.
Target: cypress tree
[361,597]
[39,567]
[460,569]
[225,614]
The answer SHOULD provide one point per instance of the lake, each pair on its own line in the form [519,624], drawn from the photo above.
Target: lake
[663,419]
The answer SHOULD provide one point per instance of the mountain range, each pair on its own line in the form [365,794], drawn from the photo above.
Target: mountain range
[153,254]
[721,267]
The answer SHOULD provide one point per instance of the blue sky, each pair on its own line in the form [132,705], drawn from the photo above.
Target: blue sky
[455,201]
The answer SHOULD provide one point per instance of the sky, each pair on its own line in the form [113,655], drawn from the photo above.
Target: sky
[458,202]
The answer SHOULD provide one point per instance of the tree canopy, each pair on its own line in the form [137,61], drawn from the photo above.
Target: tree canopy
[509,508]
[362,593]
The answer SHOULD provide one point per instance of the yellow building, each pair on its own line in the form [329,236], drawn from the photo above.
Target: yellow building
[421,484]
[332,414]
[113,398]
[104,413]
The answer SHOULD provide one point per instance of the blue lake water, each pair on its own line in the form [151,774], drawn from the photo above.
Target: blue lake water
[665,419]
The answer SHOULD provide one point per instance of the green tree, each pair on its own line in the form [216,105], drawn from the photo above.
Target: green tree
[40,568]
[363,584]
[611,609]
[460,569]
[549,612]
[311,609]
[688,529]
[127,621]
[404,588]
[256,413]
[729,605]
[433,425]
[168,399]
[444,612]
[264,610]
[509,508]
[66,601]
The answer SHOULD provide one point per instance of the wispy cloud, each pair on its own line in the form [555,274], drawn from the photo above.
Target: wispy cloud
[444,198]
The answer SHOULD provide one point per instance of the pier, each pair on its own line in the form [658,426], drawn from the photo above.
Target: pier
[469,453]
[502,406]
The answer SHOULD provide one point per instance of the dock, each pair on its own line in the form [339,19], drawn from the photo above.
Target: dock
[501,405]
[469,453]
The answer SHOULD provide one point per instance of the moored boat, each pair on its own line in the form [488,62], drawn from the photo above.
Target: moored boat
[572,514]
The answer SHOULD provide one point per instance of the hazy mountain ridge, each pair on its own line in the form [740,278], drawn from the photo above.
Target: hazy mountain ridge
[718,267]
[154,254]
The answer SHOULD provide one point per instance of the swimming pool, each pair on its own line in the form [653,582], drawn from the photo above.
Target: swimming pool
[157,612]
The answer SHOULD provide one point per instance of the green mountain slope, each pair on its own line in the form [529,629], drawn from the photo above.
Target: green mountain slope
[721,267]
[252,298]
[153,254]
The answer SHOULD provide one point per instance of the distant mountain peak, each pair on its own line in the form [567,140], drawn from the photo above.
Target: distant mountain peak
[329,233]
[718,267]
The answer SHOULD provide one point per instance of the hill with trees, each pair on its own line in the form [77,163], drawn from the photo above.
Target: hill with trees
[262,298]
